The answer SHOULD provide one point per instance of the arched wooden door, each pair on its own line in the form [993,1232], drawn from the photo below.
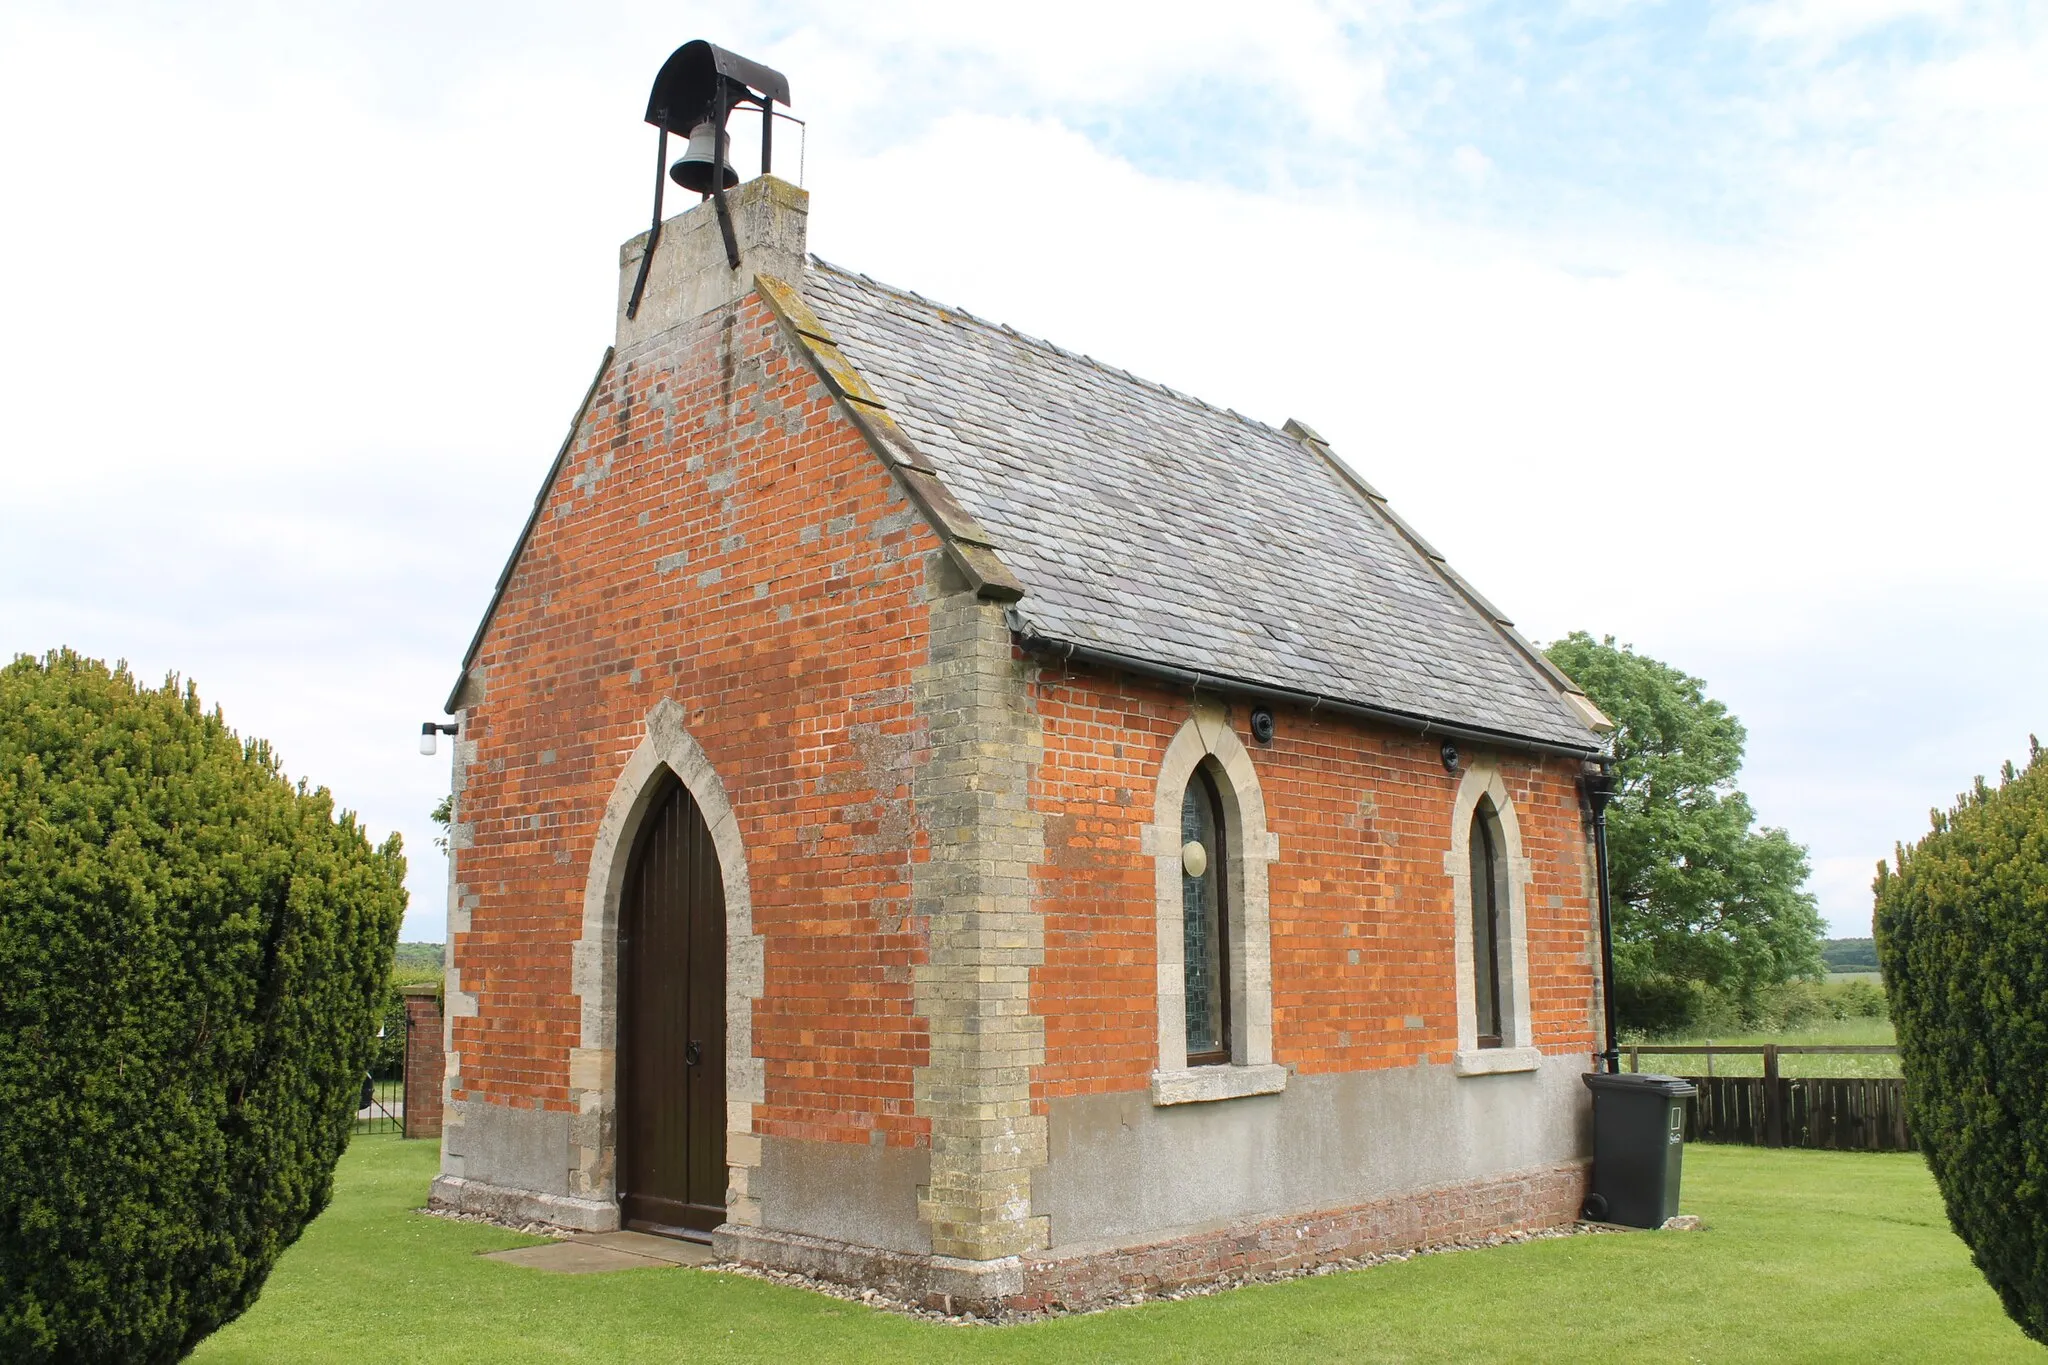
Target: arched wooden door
[671,1119]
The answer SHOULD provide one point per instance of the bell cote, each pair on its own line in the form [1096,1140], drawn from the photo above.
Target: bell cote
[691,273]
[683,267]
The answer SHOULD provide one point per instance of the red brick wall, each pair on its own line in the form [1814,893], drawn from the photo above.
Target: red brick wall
[1364,819]
[789,631]
[720,536]
[424,1069]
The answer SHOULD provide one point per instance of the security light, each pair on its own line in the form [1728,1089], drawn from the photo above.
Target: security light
[428,733]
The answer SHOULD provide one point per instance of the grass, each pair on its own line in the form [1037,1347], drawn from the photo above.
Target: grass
[1808,1256]
[1863,1032]
[388,1091]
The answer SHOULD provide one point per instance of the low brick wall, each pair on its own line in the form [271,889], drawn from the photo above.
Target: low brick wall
[1522,1202]
[423,1065]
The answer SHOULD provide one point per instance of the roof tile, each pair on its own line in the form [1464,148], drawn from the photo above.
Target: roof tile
[1147,523]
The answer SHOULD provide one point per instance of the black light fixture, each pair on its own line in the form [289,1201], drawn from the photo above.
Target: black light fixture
[696,90]
[1450,757]
[1262,725]
[428,732]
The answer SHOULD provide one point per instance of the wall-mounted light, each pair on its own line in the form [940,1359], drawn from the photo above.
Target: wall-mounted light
[1262,725]
[428,732]
[1450,754]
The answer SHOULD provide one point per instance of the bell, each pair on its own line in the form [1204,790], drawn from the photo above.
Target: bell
[693,171]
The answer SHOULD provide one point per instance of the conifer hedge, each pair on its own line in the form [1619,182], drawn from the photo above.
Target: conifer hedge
[192,952]
[1962,933]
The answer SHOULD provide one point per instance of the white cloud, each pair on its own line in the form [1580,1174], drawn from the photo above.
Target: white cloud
[285,360]
[1472,165]
[1826,24]
[1090,55]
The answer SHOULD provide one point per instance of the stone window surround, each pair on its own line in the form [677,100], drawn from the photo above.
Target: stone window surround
[1248,850]
[1517,1051]
[668,746]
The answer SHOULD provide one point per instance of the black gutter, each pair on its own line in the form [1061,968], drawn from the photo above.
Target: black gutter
[1069,651]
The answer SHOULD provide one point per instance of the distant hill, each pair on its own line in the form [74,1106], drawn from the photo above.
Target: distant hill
[1850,954]
[418,959]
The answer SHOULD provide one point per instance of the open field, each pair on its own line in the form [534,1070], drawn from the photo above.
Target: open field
[1858,1032]
[418,961]
[1808,1256]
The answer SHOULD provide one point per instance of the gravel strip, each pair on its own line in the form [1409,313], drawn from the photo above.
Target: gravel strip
[546,1230]
[874,1299]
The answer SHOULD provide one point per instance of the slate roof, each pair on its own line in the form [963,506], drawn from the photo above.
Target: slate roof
[1146,524]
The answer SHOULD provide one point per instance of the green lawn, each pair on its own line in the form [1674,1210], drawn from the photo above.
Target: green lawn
[1808,1256]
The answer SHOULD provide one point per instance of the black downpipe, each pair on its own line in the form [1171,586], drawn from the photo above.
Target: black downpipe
[1599,793]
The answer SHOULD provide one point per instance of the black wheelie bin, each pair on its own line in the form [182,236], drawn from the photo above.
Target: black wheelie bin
[1638,1147]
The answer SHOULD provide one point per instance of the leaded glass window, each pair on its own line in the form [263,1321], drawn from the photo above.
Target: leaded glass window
[1489,892]
[1204,923]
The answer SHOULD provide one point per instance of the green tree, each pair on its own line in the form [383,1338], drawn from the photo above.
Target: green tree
[443,814]
[1700,894]
[192,953]
[1962,932]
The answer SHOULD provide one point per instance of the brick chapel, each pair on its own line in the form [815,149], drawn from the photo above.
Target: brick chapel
[938,812]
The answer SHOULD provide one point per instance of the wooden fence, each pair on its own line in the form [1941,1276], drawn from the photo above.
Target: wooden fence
[1837,1113]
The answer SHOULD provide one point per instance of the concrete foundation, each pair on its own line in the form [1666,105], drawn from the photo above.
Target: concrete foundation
[496,1144]
[1517,1202]
[1132,1195]
[941,1283]
[1514,1202]
[840,1192]
[514,1164]
[1121,1169]
[522,1206]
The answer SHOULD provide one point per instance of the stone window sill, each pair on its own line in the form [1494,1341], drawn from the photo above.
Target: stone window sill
[1198,1084]
[1492,1061]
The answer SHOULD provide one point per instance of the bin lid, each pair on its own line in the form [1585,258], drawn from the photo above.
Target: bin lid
[1676,1087]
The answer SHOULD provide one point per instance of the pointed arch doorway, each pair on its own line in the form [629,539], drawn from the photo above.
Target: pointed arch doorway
[672,1117]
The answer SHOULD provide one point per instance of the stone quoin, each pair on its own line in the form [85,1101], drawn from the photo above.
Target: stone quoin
[831,756]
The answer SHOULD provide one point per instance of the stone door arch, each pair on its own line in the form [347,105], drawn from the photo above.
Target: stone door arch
[668,748]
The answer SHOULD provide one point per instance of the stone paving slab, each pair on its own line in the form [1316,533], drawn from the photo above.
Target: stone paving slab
[670,1249]
[577,1258]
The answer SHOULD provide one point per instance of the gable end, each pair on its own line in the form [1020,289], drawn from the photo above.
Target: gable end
[968,543]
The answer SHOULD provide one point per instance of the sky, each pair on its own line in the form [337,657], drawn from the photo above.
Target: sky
[1717,329]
